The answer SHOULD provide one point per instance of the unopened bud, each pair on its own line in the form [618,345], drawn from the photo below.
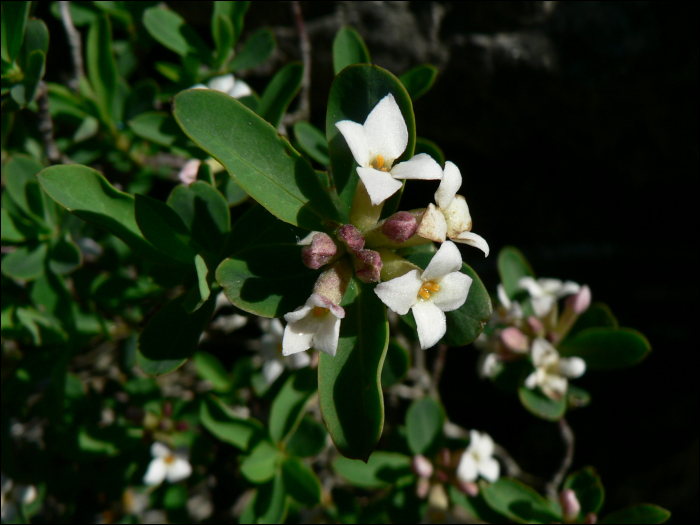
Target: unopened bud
[352,237]
[469,488]
[535,324]
[570,507]
[319,252]
[421,466]
[368,266]
[580,302]
[333,282]
[515,340]
[422,488]
[400,227]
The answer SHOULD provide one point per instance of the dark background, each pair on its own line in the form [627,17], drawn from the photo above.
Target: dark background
[575,126]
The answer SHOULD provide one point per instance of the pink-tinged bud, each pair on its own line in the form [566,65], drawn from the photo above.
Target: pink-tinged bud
[421,466]
[515,340]
[580,302]
[167,409]
[469,488]
[535,324]
[368,266]
[444,457]
[422,488]
[188,173]
[591,517]
[442,476]
[570,507]
[319,252]
[553,337]
[400,227]
[352,237]
[182,425]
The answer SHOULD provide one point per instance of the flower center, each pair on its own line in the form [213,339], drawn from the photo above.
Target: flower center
[169,459]
[378,164]
[428,287]
[319,311]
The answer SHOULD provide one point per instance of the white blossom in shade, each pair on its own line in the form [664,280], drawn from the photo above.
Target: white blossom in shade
[271,350]
[14,497]
[440,288]
[316,324]
[477,460]
[451,218]
[544,293]
[227,84]
[165,465]
[377,143]
[551,371]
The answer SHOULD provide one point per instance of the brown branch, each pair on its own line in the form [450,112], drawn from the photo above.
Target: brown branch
[567,436]
[303,111]
[75,44]
[438,367]
[45,125]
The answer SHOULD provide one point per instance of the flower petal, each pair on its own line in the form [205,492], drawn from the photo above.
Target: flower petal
[572,367]
[240,89]
[502,296]
[188,173]
[531,381]
[446,260]
[433,226]
[483,445]
[155,474]
[472,239]
[178,470]
[380,184]
[400,294]
[159,450]
[223,83]
[568,288]
[454,288]
[299,313]
[386,130]
[356,138]
[543,304]
[430,321]
[466,470]
[543,353]
[275,328]
[489,469]
[421,166]
[298,336]
[533,288]
[550,286]
[457,216]
[272,369]
[554,386]
[451,182]
[326,337]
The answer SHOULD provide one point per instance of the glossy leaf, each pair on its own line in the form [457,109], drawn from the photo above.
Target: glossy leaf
[348,49]
[301,482]
[156,126]
[260,161]
[350,394]
[223,33]
[598,315]
[26,263]
[519,502]
[164,228]
[427,146]
[288,406]
[170,29]
[101,66]
[638,514]
[512,265]
[267,280]
[256,50]
[210,369]
[588,488]
[14,21]
[258,226]
[279,93]
[312,141]
[218,419]
[231,191]
[353,95]
[540,405]
[308,439]
[381,470]
[607,348]
[419,80]
[263,462]
[172,336]
[424,420]
[396,364]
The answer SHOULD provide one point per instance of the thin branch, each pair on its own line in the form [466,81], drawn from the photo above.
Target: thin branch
[303,111]
[438,367]
[567,436]
[45,125]
[75,45]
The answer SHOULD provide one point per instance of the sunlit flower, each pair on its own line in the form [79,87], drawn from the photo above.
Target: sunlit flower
[477,460]
[551,371]
[544,293]
[165,465]
[14,497]
[271,350]
[377,143]
[440,288]
[316,324]
[227,84]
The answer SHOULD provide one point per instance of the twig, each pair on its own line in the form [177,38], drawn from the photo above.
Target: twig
[45,124]
[75,45]
[303,111]
[438,367]
[567,436]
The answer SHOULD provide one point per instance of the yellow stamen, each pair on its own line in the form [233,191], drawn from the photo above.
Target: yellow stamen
[428,287]
[380,161]
[318,311]
[169,459]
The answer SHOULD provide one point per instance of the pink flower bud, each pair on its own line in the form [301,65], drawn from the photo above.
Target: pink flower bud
[400,227]
[591,517]
[422,488]
[368,266]
[553,337]
[352,237]
[442,476]
[319,252]
[515,340]
[188,173]
[535,324]
[421,466]
[570,507]
[580,302]
[167,409]
[469,488]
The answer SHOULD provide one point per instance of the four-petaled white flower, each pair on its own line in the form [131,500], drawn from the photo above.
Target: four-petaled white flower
[316,324]
[551,371]
[271,350]
[165,465]
[440,288]
[377,143]
[227,84]
[451,217]
[477,460]
[14,497]
[544,293]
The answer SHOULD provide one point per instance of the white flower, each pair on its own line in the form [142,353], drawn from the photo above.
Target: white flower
[227,84]
[440,288]
[377,143]
[512,308]
[316,324]
[551,371]
[477,460]
[14,497]
[165,465]
[271,350]
[545,292]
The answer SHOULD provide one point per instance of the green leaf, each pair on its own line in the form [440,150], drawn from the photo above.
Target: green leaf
[302,484]
[26,263]
[644,513]
[14,22]
[170,29]
[353,95]
[348,49]
[25,92]
[64,256]
[512,265]
[101,66]
[607,348]
[518,502]
[424,421]
[172,336]
[278,94]
[10,232]
[598,315]
[141,99]
[258,226]
[235,12]
[381,470]
[175,497]
[256,50]
[396,364]
[156,126]
[231,191]
[20,178]
[260,161]
[288,406]
[210,369]
[88,195]
[162,226]
[203,281]
[419,80]
[263,462]
[312,141]
[476,507]
[36,37]
[308,439]
[223,38]
[588,488]
[350,394]
[540,405]
[424,145]
[269,504]
[268,280]
[205,213]
[218,419]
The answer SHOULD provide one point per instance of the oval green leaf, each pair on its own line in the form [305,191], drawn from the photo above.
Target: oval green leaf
[419,80]
[218,419]
[312,141]
[588,488]
[348,48]
[288,406]
[169,29]
[396,364]
[540,405]
[302,484]
[262,463]
[256,50]
[519,502]
[424,421]
[26,263]
[512,265]
[210,369]
[14,22]
[644,513]
[381,470]
[607,348]
[598,315]
[278,94]
[101,66]
[164,228]
[308,439]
